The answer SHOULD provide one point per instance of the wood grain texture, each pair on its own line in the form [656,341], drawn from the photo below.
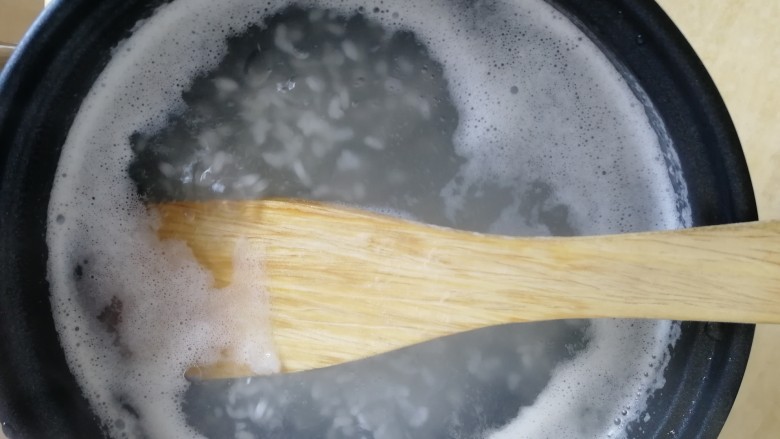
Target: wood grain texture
[738,40]
[345,284]
[739,43]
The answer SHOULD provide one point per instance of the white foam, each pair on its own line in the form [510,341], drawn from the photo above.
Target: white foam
[595,373]
[96,218]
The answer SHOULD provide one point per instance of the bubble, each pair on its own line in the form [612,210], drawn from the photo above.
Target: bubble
[539,149]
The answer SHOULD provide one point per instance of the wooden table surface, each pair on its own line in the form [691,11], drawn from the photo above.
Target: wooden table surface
[739,42]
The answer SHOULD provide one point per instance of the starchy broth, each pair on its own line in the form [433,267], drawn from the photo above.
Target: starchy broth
[493,116]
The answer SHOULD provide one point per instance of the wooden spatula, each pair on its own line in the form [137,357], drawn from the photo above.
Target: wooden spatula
[346,284]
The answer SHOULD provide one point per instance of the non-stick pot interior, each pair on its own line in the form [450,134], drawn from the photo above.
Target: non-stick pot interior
[41,92]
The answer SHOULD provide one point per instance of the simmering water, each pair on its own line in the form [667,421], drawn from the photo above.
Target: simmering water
[490,116]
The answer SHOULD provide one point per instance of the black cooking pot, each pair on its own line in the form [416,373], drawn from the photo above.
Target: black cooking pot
[44,83]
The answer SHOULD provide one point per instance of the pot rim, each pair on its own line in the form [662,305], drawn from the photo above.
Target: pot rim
[52,65]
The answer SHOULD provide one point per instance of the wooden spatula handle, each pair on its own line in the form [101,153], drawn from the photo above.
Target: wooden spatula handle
[346,284]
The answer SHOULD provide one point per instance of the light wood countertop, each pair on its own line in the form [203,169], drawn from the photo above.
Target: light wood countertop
[739,42]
